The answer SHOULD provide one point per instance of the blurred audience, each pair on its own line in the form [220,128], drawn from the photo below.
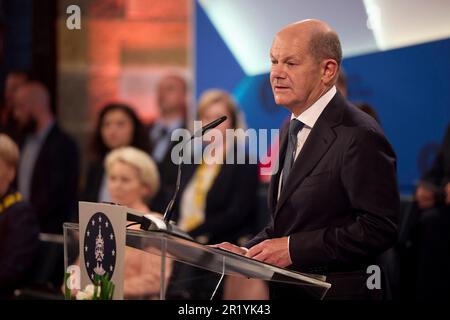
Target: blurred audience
[48,170]
[117,126]
[19,228]
[8,124]
[431,233]
[342,86]
[133,179]
[172,102]
[433,191]
[218,202]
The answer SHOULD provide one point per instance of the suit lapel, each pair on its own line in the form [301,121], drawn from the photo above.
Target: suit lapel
[274,181]
[319,141]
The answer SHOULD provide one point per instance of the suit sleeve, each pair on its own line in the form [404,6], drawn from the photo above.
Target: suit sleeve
[368,174]
[265,234]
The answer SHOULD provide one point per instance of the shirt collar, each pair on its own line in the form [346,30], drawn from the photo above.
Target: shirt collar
[42,135]
[310,115]
[175,124]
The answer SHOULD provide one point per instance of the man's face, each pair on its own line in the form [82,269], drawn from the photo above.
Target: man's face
[12,83]
[171,95]
[294,73]
[23,111]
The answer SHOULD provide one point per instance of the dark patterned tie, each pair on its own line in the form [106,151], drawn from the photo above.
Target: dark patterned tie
[294,127]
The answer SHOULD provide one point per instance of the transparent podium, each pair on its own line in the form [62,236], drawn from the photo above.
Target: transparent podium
[159,265]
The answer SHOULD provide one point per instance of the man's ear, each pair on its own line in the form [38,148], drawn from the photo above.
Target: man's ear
[330,70]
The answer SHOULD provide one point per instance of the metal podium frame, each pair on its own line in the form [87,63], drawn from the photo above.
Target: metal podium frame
[168,246]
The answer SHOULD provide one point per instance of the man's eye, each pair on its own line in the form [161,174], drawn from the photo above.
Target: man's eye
[273,62]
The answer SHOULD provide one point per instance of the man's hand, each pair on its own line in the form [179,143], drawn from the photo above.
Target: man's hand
[425,198]
[273,251]
[230,247]
[447,194]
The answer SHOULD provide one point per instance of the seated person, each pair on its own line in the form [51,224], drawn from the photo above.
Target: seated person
[117,126]
[132,179]
[218,202]
[19,227]
[218,199]
[431,232]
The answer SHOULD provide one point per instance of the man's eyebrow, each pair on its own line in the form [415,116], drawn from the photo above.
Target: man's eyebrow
[291,57]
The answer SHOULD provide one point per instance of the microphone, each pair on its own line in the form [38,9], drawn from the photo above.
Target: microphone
[199,133]
[149,222]
[207,127]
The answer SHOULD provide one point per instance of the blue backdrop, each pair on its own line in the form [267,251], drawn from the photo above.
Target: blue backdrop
[408,87]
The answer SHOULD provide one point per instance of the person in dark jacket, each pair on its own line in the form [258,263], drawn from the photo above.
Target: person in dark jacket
[218,198]
[19,228]
[334,201]
[172,101]
[48,169]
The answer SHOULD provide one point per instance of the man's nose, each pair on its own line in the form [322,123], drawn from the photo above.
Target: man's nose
[278,72]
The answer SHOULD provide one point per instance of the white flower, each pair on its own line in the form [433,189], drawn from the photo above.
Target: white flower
[90,288]
[81,295]
[87,293]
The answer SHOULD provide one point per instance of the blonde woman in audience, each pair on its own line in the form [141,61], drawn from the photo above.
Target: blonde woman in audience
[132,179]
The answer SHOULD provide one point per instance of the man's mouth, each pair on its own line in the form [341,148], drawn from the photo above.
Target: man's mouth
[280,88]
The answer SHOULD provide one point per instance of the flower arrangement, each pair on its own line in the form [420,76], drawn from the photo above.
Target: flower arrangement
[102,288]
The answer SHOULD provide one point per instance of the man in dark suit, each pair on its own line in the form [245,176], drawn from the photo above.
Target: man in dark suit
[171,97]
[49,168]
[334,200]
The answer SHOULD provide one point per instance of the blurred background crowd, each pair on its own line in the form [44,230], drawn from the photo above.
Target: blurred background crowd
[87,115]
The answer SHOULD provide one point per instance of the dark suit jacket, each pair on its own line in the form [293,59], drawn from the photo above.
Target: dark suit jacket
[439,173]
[54,184]
[168,177]
[19,230]
[231,204]
[340,203]
[93,182]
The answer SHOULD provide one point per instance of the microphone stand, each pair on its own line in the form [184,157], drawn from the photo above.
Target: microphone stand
[151,223]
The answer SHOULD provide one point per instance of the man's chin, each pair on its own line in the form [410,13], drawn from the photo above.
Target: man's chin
[281,101]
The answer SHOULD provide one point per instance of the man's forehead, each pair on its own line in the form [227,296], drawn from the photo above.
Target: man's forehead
[288,46]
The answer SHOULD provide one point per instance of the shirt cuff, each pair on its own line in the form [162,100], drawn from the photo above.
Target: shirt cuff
[289,252]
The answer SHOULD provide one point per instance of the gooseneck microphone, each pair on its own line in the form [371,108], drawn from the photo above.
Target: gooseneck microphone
[199,133]
[152,223]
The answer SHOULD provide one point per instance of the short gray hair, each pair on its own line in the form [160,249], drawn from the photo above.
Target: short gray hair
[325,45]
